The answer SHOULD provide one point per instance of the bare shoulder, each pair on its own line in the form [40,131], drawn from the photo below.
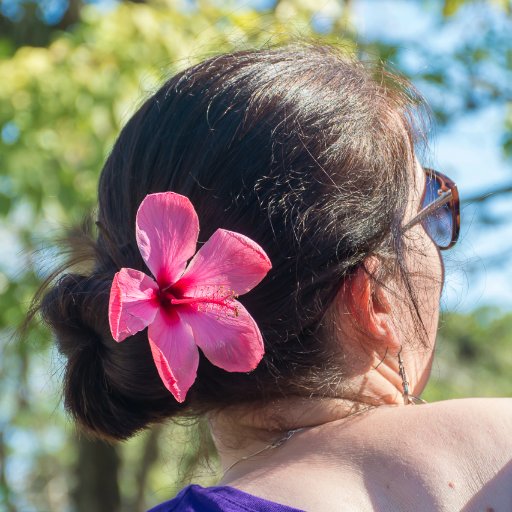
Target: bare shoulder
[501,407]
[457,454]
[468,424]
[470,418]
[450,455]
[461,426]
[463,406]
[462,449]
[472,450]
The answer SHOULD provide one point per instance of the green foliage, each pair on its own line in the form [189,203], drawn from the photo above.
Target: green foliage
[473,356]
[61,107]
[452,6]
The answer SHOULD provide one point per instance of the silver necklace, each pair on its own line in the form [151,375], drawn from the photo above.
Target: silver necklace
[288,435]
[270,446]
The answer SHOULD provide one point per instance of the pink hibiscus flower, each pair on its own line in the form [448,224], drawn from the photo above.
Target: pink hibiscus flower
[185,307]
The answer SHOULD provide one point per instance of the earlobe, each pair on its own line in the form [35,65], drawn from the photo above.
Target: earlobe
[384,318]
[371,309]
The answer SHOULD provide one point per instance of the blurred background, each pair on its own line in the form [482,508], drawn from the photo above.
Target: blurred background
[72,72]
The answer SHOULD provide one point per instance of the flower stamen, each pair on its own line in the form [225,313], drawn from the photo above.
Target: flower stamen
[209,302]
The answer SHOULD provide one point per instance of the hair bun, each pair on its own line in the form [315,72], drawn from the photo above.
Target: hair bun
[112,390]
[72,308]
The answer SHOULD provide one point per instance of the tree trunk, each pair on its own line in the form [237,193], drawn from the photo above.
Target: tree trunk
[96,471]
[148,460]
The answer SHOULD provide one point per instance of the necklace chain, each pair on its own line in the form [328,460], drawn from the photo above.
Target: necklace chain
[288,435]
[408,398]
[271,446]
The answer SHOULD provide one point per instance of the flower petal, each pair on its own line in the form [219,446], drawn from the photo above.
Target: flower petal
[232,342]
[167,231]
[132,304]
[229,261]
[174,351]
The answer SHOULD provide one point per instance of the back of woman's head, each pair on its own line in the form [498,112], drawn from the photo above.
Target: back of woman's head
[301,148]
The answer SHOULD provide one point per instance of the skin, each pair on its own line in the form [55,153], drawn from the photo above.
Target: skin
[451,455]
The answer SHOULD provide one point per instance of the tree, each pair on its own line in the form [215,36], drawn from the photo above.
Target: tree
[61,105]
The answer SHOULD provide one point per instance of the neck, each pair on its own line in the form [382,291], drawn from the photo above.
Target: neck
[240,432]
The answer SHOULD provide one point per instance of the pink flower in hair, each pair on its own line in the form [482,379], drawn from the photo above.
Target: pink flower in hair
[185,307]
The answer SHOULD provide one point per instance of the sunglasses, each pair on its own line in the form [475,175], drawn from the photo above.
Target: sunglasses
[440,210]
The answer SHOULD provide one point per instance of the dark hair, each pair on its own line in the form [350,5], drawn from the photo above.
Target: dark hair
[302,148]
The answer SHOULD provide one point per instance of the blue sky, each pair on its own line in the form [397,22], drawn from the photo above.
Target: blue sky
[469,151]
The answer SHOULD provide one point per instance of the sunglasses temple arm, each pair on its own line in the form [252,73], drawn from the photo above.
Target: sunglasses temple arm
[442,200]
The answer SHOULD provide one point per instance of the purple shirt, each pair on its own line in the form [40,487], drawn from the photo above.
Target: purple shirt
[195,498]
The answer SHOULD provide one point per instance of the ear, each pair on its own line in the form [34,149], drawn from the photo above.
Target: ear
[371,306]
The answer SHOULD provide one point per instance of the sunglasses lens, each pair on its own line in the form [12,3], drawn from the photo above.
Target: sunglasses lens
[439,224]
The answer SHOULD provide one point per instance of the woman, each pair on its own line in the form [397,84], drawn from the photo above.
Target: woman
[307,158]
